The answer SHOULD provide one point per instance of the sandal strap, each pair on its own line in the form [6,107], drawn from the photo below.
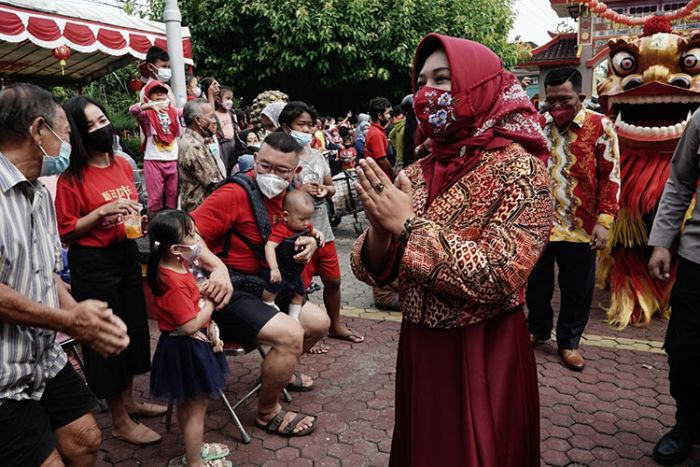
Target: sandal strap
[217,463]
[213,451]
[293,423]
[274,424]
[298,380]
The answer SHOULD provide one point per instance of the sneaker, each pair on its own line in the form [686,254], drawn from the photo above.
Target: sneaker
[313,287]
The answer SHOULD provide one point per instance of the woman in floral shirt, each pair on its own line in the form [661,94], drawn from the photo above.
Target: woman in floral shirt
[462,229]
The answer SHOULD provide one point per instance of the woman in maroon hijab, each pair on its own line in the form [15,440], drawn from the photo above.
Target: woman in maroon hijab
[462,229]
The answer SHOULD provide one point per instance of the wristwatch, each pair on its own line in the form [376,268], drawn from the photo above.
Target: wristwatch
[406,232]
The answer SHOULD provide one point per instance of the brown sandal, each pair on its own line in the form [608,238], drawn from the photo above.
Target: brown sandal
[273,425]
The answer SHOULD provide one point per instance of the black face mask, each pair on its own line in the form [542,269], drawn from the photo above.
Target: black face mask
[100,140]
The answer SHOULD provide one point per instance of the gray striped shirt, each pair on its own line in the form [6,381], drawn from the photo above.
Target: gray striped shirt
[30,251]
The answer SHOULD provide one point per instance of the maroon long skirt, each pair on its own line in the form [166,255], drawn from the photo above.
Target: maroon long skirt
[467,396]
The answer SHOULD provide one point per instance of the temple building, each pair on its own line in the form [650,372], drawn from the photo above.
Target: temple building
[587,47]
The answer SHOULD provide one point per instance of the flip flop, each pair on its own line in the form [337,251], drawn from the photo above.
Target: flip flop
[298,384]
[348,337]
[146,409]
[273,425]
[140,436]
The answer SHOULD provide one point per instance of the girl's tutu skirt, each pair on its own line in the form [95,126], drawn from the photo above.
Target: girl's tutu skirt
[186,368]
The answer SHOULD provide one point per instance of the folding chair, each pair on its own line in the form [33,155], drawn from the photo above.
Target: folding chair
[235,350]
[69,346]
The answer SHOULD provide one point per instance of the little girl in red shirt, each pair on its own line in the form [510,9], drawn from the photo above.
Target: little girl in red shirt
[185,367]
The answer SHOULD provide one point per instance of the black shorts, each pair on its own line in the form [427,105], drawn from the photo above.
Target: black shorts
[27,426]
[292,284]
[243,318]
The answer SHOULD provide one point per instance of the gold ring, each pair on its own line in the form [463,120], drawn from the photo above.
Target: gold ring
[378,187]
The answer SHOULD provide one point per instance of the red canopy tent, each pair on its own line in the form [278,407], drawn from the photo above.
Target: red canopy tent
[100,35]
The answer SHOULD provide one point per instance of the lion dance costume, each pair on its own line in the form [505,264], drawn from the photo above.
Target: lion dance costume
[652,88]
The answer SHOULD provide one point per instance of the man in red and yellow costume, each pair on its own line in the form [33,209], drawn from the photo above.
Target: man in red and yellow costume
[652,88]
[585,179]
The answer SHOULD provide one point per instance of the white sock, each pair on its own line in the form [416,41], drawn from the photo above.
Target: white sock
[294,311]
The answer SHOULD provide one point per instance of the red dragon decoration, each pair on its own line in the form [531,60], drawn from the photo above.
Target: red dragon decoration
[652,89]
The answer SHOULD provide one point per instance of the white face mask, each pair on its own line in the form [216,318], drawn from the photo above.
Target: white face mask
[227,104]
[164,74]
[197,91]
[304,139]
[190,253]
[271,185]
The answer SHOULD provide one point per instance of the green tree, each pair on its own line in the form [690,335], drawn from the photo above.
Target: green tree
[336,54]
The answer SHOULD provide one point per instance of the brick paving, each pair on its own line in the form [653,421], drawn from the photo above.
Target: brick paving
[611,414]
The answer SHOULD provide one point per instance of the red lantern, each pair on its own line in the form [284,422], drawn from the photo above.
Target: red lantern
[136,84]
[62,53]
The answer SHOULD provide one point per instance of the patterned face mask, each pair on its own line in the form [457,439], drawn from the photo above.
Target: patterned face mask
[435,110]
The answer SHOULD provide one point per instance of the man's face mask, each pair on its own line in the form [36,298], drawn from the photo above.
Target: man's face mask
[57,164]
[271,185]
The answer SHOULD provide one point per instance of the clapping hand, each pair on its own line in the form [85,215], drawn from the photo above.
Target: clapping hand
[386,205]
[93,323]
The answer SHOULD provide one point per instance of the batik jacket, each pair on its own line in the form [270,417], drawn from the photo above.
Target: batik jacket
[471,251]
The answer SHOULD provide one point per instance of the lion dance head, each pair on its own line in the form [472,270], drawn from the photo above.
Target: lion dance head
[653,84]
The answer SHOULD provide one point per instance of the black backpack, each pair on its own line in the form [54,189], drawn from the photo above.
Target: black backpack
[285,251]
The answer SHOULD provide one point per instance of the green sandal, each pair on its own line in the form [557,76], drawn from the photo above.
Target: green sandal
[211,452]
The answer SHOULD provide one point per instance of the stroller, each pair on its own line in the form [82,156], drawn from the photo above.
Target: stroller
[345,200]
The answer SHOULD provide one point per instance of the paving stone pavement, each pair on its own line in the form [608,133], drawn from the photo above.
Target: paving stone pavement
[611,414]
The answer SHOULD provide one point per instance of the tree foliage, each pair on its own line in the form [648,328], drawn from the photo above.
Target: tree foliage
[334,53]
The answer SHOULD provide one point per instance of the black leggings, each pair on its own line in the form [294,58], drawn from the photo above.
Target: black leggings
[113,274]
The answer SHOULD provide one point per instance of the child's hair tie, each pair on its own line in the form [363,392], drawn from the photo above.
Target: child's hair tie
[156,244]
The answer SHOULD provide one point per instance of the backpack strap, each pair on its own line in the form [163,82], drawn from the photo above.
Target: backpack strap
[262,219]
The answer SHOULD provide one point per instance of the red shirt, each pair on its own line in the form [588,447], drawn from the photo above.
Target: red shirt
[99,186]
[229,206]
[180,302]
[376,142]
[281,231]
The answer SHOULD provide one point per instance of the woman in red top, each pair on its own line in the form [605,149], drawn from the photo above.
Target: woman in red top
[92,198]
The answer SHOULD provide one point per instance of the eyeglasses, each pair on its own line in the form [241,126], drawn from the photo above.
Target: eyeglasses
[266,168]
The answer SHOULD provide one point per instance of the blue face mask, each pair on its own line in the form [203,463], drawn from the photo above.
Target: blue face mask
[303,139]
[56,165]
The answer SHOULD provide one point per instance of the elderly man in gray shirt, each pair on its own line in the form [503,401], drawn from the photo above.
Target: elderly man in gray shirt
[683,336]
[44,405]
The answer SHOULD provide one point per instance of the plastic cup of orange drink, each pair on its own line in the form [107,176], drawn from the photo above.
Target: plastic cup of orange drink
[132,226]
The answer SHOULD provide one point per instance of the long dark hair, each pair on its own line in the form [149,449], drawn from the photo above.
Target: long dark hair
[294,110]
[75,112]
[168,228]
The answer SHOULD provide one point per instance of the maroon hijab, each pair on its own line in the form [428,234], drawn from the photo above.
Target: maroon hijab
[486,109]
